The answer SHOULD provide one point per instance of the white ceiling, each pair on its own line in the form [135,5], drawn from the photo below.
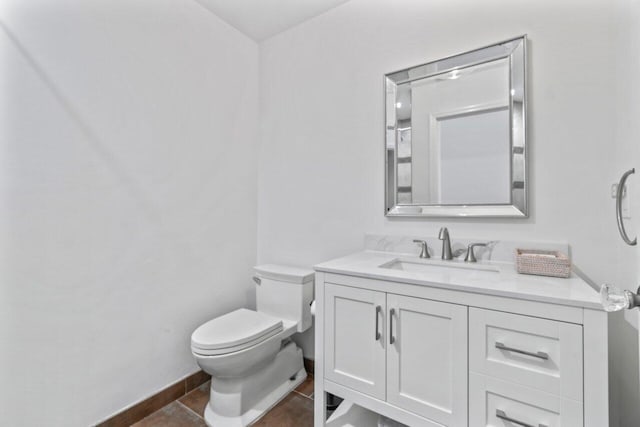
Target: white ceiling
[261,19]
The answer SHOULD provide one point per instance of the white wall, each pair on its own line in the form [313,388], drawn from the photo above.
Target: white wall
[623,327]
[321,172]
[127,198]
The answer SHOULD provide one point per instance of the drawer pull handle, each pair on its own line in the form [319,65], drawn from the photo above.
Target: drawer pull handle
[503,416]
[540,354]
[392,339]
[378,311]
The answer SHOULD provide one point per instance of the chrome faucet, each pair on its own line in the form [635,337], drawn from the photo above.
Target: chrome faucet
[446,244]
[471,257]
[424,251]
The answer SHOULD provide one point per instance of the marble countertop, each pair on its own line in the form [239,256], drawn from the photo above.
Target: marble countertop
[490,278]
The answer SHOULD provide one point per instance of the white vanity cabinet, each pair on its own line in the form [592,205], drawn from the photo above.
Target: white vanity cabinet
[429,353]
[355,351]
[409,352]
[525,370]
[427,358]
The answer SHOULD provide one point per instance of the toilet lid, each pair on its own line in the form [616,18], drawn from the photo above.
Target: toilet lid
[234,330]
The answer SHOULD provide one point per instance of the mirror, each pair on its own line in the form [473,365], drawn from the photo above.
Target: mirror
[455,135]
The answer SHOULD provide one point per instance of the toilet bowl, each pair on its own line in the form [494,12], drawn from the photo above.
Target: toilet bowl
[252,360]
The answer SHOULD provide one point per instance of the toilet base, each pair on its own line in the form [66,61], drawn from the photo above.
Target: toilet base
[237,402]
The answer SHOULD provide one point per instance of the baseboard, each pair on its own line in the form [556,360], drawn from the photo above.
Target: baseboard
[148,406]
[309,366]
[175,391]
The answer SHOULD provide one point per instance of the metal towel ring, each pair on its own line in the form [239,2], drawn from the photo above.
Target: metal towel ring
[619,193]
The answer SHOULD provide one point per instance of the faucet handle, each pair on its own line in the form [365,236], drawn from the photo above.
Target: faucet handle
[424,251]
[471,257]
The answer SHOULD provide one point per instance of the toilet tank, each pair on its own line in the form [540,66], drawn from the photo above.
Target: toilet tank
[285,292]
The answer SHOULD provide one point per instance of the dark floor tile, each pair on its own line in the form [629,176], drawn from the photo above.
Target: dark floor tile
[197,399]
[306,387]
[294,411]
[172,415]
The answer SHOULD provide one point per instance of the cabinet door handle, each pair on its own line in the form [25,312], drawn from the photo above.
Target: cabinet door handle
[392,339]
[378,311]
[539,354]
[503,416]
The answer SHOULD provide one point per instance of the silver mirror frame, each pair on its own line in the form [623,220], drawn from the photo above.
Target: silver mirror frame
[513,49]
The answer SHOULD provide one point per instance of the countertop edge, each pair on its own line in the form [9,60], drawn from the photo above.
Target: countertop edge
[456,287]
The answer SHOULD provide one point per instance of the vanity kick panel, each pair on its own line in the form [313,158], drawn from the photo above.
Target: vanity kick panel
[539,353]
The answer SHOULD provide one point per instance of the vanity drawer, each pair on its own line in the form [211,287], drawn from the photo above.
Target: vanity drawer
[539,353]
[493,402]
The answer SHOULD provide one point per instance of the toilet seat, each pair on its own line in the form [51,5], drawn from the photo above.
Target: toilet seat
[234,331]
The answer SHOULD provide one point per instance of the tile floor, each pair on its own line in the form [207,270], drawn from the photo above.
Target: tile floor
[295,410]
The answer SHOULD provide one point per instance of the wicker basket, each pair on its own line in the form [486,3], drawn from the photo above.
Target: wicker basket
[542,263]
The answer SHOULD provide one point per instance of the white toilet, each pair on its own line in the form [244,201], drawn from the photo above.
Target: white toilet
[252,360]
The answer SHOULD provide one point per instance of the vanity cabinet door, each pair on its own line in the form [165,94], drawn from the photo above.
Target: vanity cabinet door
[427,358]
[355,338]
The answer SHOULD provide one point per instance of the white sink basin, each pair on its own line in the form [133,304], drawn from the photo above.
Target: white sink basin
[437,266]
